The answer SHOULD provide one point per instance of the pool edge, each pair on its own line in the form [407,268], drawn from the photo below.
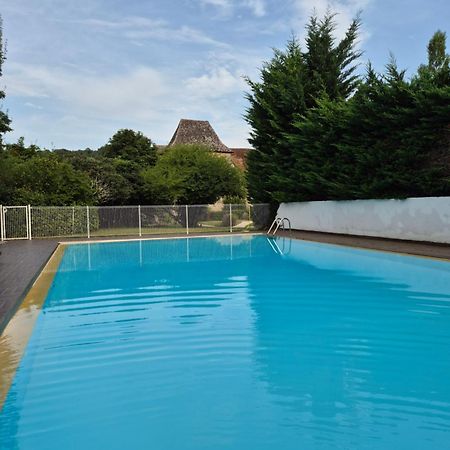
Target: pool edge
[158,238]
[369,245]
[18,330]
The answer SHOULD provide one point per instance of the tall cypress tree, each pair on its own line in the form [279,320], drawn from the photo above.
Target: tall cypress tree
[291,83]
[274,102]
[389,140]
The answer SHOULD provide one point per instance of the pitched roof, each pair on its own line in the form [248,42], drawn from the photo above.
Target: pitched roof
[198,132]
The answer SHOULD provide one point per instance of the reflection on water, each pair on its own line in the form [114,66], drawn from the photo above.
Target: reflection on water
[164,251]
[356,345]
[236,342]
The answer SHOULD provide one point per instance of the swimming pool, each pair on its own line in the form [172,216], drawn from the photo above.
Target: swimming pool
[236,342]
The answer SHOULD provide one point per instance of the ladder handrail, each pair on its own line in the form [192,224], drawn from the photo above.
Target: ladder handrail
[289,223]
[277,223]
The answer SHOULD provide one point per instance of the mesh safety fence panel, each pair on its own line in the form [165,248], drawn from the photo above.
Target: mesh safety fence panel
[114,220]
[209,218]
[104,221]
[15,222]
[59,221]
[241,220]
[163,219]
[260,216]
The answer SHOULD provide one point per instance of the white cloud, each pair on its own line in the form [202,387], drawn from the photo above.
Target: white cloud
[114,96]
[258,7]
[346,11]
[225,7]
[228,7]
[142,28]
[87,108]
[217,83]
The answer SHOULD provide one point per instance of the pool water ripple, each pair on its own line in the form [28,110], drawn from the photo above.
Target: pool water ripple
[221,343]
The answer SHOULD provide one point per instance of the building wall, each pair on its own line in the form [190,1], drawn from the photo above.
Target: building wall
[419,219]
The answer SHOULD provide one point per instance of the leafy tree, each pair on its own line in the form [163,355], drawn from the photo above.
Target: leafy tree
[108,185]
[40,178]
[192,174]
[131,152]
[291,83]
[5,121]
[437,70]
[130,145]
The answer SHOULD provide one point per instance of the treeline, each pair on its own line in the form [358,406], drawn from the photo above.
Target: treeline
[321,132]
[128,170]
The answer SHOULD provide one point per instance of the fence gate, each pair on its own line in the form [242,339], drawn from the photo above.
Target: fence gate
[16,222]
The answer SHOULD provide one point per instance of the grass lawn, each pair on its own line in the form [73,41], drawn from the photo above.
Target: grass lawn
[209,227]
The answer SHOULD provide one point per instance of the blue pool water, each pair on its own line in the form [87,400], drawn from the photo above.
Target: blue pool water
[236,343]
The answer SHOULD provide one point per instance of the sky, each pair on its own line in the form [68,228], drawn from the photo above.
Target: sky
[79,70]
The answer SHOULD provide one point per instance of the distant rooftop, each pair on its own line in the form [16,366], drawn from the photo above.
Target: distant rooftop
[198,132]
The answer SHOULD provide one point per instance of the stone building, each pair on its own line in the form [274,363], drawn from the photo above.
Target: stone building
[201,132]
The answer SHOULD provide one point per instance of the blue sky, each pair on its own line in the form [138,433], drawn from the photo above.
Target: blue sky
[78,70]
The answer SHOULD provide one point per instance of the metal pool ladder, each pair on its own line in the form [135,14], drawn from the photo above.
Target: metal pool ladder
[279,223]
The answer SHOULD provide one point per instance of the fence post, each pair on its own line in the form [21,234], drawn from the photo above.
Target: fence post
[140,223]
[231,220]
[87,223]
[29,222]
[2,232]
[187,219]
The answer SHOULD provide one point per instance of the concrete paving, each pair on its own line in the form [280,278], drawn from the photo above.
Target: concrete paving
[389,245]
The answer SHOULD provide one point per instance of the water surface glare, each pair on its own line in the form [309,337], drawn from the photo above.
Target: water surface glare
[236,343]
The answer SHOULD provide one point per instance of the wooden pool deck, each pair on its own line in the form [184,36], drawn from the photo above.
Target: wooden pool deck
[22,261]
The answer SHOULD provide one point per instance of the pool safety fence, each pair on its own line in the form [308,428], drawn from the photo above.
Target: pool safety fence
[30,222]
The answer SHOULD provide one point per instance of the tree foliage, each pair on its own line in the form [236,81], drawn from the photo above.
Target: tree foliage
[28,175]
[130,152]
[108,185]
[129,145]
[64,177]
[380,137]
[192,174]
[290,85]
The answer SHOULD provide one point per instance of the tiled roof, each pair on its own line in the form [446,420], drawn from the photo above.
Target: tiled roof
[198,132]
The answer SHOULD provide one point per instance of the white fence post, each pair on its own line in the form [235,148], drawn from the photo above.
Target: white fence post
[36,217]
[29,222]
[140,223]
[187,219]
[87,223]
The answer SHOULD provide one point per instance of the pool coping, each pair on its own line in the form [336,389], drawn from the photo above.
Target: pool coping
[419,249]
[157,238]
[18,330]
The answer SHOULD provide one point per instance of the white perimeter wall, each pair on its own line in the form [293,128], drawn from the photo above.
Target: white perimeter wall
[419,219]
